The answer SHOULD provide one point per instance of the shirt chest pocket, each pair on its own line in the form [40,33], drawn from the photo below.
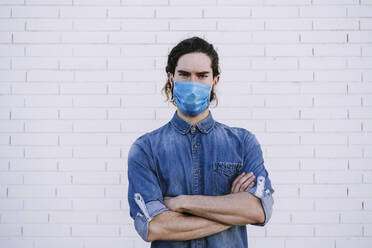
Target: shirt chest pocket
[224,174]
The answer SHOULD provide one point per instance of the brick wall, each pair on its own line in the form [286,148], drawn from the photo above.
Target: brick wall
[81,79]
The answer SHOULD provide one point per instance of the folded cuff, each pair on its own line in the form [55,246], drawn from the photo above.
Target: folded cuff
[267,202]
[263,191]
[141,222]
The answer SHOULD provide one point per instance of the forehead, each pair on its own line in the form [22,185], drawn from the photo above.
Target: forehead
[194,62]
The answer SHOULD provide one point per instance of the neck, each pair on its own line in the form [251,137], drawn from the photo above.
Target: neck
[193,119]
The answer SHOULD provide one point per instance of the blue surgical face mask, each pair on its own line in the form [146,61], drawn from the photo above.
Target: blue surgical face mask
[191,98]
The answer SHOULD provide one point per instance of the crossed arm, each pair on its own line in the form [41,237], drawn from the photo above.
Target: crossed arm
[209,214]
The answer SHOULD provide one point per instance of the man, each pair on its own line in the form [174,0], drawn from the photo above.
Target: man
[195,182]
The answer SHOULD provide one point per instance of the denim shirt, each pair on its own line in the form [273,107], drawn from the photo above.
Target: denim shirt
[184,159]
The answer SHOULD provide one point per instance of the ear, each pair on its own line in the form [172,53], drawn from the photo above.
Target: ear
[216,80]
[170,78]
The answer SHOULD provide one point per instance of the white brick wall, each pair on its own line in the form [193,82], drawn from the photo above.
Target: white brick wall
[81,79]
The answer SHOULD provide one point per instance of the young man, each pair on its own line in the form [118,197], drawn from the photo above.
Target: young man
[196,182]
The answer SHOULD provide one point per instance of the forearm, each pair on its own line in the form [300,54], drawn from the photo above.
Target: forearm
[240,208]
[170,225]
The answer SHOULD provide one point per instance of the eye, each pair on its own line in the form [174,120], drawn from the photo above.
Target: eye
[203,76]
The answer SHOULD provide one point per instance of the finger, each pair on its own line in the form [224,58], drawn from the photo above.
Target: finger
[238,177]
[250,174]
[247,186]
[236,181]
[250,177]
[246,183]
[251,185]
[240,182]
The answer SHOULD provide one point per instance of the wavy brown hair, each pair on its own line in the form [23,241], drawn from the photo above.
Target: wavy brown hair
[190,45]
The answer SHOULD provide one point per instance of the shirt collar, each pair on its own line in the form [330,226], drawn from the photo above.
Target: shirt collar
[184,127]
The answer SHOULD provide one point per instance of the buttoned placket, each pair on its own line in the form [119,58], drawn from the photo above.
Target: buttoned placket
[196,168]
[195,143]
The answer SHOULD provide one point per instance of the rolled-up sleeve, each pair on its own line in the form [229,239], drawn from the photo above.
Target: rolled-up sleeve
[267,202]
[145,196]
[254,162]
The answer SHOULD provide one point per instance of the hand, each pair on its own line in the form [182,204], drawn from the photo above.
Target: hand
[243,182]
[173,203]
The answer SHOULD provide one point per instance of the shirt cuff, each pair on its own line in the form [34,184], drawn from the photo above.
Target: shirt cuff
[142,219]
[267,202]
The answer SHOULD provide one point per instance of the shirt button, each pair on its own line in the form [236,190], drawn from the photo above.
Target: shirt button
[195,146]
[197,171]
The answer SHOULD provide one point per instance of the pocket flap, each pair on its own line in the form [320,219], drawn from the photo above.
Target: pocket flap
[228,168]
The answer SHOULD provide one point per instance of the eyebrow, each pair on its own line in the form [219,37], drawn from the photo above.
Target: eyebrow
[186,72]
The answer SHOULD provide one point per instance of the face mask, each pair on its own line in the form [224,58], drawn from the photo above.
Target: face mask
[192,98]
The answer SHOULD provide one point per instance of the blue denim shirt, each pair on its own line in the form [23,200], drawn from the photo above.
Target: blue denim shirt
[203,159]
